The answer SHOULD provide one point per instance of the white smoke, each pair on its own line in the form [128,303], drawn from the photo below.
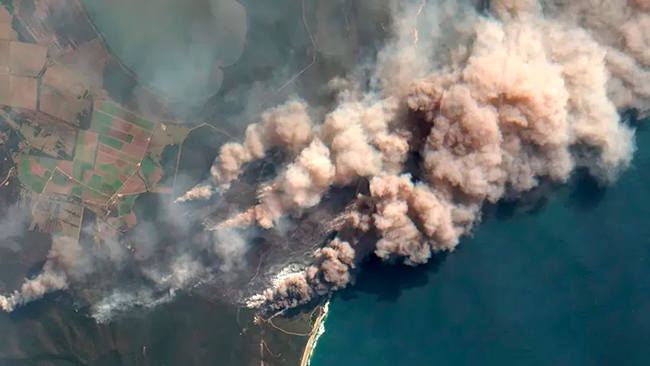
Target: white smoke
[66,260]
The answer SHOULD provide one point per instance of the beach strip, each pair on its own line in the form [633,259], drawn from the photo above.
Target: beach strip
[317,331]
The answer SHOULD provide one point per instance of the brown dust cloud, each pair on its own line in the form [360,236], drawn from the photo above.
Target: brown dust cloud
[467,103]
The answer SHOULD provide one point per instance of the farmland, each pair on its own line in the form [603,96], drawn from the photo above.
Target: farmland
[113,161]
[82,140]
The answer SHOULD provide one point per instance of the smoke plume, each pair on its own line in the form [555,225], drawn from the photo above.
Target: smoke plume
[13,223]
[528,93]
[66,259]
[463,107]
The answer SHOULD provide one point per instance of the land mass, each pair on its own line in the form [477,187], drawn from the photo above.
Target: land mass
[82,138]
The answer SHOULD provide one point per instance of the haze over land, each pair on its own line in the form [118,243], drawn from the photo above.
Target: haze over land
[462,106]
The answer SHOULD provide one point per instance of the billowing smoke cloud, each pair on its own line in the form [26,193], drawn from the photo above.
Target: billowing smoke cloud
[287,125]
[67,259]
[527,95]
[462,108]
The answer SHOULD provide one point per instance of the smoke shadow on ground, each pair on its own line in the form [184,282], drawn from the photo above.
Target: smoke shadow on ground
[507,209]
[632,118]
[583,192]
[532,202]
[586,192]
[197,154]
[266,168]
[387,281]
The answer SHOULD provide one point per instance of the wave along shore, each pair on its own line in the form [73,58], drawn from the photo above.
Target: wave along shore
[317,331]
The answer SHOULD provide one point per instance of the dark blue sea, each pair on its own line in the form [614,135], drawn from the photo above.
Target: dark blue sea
[566,283]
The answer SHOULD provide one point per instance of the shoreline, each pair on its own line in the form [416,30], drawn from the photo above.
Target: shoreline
[317,331]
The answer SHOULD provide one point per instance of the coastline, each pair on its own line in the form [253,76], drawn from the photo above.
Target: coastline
[317,331]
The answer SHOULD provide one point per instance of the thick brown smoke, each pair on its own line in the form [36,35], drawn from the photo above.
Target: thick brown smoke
[531,92]
[288,125]
[463,109]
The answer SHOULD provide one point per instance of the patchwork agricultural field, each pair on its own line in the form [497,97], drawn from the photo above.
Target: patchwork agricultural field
[114,160]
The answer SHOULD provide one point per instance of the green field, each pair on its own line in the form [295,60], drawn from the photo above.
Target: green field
[113,109]
[89,179]
[59,179]
[84,154]
[125,204]
[26,165]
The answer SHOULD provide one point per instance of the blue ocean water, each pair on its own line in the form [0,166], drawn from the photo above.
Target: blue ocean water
[568,284]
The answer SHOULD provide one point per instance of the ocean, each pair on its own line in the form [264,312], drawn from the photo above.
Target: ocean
[564,284]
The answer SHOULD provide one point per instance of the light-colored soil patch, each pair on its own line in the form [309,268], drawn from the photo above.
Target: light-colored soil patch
[23,92]
[63,107]
[26,59]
